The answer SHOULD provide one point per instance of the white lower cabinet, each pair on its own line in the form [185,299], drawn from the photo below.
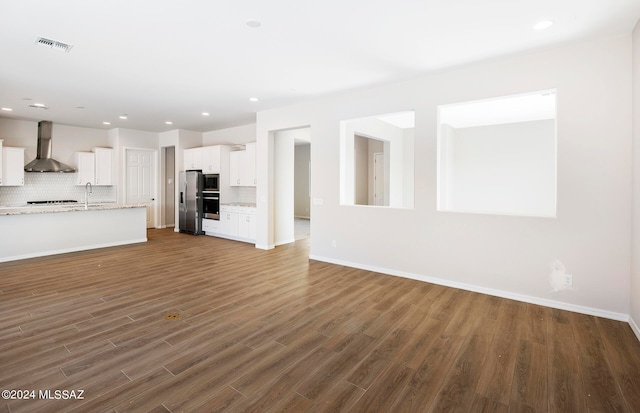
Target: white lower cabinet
[236,222]
[210,225]
[247,225]
[229,220]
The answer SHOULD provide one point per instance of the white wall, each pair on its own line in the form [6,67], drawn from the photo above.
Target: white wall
[408,164]
[66,140]
[374,128]
[122,139]
[508,168]
[230,136]
[284,186]
[635,248]
[502,255]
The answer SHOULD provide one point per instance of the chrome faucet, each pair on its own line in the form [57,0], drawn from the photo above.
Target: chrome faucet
[87,191]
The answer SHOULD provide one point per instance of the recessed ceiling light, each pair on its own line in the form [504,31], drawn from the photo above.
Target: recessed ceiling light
[123,117]
[7,109]
[253,99]
[79,107]
[253,23]
[544,24]
[169,122]
[205,113]
[38,106]
[106,123]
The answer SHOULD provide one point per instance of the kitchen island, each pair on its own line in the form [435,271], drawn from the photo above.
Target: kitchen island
[34,231]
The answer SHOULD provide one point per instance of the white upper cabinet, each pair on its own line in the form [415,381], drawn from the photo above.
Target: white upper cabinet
[242,166]
[95,167]
[192,159]
[12,166]
[236,165]
[86,165]
[104,166]
[206,159]
[211,159]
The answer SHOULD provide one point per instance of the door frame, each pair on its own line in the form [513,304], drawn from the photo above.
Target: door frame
[165,197]
[378,159]
[154,178]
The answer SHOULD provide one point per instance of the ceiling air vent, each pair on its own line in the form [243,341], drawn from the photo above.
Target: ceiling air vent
[53,44]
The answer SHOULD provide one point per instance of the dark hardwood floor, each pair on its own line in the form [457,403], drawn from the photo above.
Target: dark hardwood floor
[200,324]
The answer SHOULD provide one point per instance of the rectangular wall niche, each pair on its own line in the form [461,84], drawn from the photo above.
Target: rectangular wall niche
[498,156]
[376,160]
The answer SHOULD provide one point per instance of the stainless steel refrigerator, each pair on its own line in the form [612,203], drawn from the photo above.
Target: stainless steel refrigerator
[190,208]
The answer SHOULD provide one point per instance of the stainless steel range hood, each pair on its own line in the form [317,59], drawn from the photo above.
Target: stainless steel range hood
[44,162]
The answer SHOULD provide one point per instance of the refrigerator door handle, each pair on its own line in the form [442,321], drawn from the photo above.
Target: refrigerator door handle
[182,197]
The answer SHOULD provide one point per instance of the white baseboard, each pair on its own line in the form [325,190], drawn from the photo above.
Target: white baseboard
[489,291]
[287,241]
[634,327]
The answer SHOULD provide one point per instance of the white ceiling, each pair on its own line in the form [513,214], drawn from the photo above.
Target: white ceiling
[164,60]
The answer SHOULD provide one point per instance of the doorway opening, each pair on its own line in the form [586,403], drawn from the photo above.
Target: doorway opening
[168,187]
[302,189]
[292,185]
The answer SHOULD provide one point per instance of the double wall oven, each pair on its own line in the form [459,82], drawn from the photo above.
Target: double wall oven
[211,196]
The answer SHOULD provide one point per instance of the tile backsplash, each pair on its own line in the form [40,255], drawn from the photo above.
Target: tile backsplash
[246,195]
[50,187]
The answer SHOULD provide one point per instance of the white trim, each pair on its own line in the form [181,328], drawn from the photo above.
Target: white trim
[230,237]
[489,291]
[265,247]
[634,327]
[73,249]
[287,241]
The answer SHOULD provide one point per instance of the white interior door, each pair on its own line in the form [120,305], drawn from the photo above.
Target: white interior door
[140,179]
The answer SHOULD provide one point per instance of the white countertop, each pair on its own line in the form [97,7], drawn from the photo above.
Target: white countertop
[45,209]
[240,204]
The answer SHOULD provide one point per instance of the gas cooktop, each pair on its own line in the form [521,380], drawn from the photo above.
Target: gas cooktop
[61,201]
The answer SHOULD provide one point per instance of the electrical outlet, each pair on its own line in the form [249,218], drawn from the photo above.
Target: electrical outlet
[568,279]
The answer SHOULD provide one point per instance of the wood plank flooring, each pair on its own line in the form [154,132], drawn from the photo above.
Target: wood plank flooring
[200,324]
